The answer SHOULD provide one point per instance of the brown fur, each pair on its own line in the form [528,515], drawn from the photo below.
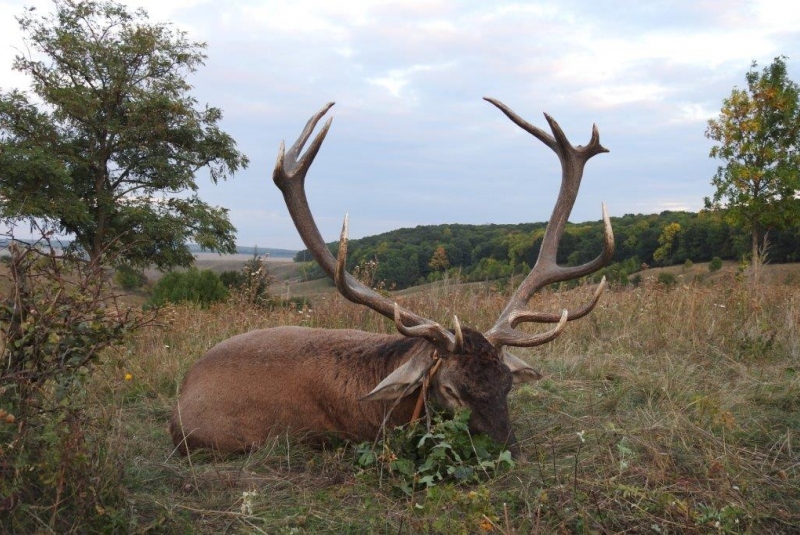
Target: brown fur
[308,382]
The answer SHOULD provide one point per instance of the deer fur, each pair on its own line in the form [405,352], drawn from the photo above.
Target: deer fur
[317,384]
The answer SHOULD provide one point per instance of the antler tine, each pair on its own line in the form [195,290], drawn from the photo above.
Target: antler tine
[361,294]
[289,175]
[524,316]
[546,271]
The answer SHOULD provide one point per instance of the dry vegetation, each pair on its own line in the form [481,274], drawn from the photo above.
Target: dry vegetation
[667,410]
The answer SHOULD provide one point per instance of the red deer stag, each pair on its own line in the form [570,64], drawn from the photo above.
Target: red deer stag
[319,383]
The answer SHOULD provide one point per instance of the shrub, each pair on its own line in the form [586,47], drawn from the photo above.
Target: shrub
[667,279]
[233,279]
[195,286]
[688,264]
[715,264]
[59,314]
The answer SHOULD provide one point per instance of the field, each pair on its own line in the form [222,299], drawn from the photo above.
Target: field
[668,410]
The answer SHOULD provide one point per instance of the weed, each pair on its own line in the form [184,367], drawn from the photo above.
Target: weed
[422,456]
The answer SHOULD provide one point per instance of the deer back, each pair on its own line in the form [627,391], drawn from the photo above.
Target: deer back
[302,380]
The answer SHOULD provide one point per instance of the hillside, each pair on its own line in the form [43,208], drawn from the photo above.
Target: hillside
[412,256]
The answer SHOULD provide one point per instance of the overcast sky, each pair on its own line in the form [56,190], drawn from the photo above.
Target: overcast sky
[413,143]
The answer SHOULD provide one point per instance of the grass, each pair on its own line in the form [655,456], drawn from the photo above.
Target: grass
[667,410]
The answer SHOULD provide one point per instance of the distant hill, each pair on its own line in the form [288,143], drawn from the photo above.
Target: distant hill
[411,256]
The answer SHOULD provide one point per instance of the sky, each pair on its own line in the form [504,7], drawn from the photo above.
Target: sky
[414,143]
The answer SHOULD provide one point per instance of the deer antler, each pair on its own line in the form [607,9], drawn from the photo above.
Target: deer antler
[289,175]
[546,270]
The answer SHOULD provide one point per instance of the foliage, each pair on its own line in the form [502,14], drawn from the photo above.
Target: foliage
[193,285]
[439,261]
[757,137]
[422,456]
[128,277]
[666,242]
[715,264]
[667,279]
[487,252]
[108,145]
[57,318]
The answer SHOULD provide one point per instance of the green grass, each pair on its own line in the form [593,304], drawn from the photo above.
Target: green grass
[668,410]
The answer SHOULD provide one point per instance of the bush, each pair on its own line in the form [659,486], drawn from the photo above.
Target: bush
[233,279]
[59,314]
[715,264]
[195,286]
[667,279]
[688,264]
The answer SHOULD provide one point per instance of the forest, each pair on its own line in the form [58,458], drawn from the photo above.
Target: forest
[410,256]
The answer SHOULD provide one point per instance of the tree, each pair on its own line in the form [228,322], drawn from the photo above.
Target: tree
[439,261]
[666,241]
[758,139]
[108,149]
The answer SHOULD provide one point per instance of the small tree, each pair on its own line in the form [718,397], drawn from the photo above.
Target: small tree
[758,139]
[439,260]
[108,148]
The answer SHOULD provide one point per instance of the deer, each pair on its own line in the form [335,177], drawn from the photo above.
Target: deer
[320,384]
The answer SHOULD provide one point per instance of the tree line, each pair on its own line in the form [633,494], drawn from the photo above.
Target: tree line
[410,256]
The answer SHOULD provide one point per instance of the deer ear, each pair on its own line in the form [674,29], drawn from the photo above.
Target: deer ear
[402,380]
[520,371]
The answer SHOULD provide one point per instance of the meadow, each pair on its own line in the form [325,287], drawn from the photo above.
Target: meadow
[670,409]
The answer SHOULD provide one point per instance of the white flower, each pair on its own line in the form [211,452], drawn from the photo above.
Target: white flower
[247,502]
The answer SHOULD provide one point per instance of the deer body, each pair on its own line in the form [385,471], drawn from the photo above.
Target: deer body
[294,379]
[311,383]
[318,383]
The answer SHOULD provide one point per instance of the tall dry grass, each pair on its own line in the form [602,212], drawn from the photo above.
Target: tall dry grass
[666,410]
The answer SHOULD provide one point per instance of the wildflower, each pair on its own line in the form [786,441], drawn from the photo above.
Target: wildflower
[580,436]
[128,376]
[486,525]
[247,502]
